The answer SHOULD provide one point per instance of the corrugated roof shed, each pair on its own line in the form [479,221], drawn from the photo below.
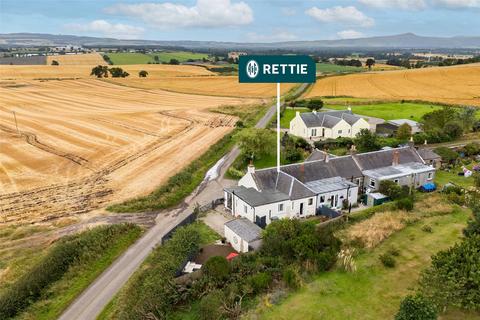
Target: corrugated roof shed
[245,229]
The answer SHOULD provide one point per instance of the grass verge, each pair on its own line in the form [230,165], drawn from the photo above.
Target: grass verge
[53,282]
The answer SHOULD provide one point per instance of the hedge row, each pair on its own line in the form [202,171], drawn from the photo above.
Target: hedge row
[152,292]
[68,252]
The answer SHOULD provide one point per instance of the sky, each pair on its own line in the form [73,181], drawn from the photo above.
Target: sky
[241,20]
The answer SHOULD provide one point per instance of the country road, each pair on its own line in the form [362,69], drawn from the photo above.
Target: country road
[94,299]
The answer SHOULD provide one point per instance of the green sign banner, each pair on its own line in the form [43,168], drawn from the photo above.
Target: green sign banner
[276,69]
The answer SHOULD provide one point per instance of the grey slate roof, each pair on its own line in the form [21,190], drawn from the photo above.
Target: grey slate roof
[328,119]
[270,180]
[428,154]
[384,158]
[255,198]
[245,229]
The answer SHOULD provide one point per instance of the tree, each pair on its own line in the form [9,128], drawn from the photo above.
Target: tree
[255,143]
[467,118]
[143,74]
[315,104]
[174,61]
[156,58]
[453,278]
[118,72]
[216,268]
[453,129]
[404,131]
[100,71]
[447,154]
[436,120]
[370,63]
[55,63]
[416,308]
[366,141]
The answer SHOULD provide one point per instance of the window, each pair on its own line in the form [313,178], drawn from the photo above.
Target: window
[358,181]
[310,201]
[314,132]
[339,131]
[280,207]
[396,181]
[430,176]
[322,199]
[372,183]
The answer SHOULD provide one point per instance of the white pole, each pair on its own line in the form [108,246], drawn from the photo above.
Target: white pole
[278,126]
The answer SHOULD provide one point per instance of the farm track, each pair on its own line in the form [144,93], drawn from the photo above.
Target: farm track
[84,194]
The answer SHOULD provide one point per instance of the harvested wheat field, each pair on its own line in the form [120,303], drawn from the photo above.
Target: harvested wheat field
[217,86]
[84,143]
[77,59]
[83,71]
[453,85]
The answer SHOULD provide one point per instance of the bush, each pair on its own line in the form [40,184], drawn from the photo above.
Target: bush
[427,228]
[392,190]
[453,278]
[393,252]
[405,204]
[447,154]
[69,251]
[387,260]
[292,278]
[260,281]
[216,268]
[456,198]
[235,173]
[211,306]
[416,308]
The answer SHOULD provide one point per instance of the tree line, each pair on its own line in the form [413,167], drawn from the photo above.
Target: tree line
[116,72]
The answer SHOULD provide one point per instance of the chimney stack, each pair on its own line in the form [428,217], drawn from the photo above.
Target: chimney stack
[396,158]
[297,114]
[251,168]
[353,149]
[326,157]
[425,142]
[314,111]
[302,172]
[411,143]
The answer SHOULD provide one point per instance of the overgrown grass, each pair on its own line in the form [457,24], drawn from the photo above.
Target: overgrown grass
[68,267]
[374,292]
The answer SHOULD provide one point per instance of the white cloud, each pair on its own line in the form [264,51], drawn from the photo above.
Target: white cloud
[277,36]
[205,13]
[346,15]
[350,34]
[457,3]
[115,30]
[402,4]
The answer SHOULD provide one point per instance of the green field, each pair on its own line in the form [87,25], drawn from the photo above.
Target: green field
[374,292]
[141,58]
[390,111]
[333,68]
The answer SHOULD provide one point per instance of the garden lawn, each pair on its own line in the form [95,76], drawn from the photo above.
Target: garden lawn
[443,177]
[288,116]
[374,292]
[390,111]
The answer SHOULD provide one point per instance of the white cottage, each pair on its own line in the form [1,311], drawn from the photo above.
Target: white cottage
[329,124]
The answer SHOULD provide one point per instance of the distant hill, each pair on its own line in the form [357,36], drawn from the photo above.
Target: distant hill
[400,41]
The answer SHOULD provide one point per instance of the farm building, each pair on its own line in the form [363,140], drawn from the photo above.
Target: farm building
[329,124]
[243,234]
[430,157]
[302,190]
[390,127]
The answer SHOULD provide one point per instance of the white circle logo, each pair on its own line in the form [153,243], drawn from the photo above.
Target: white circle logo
[252,69]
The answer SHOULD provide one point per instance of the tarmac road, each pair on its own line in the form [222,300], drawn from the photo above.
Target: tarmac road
[94,299]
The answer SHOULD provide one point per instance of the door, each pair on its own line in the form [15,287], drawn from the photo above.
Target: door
[261,221]
[301,208]
[336,200]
